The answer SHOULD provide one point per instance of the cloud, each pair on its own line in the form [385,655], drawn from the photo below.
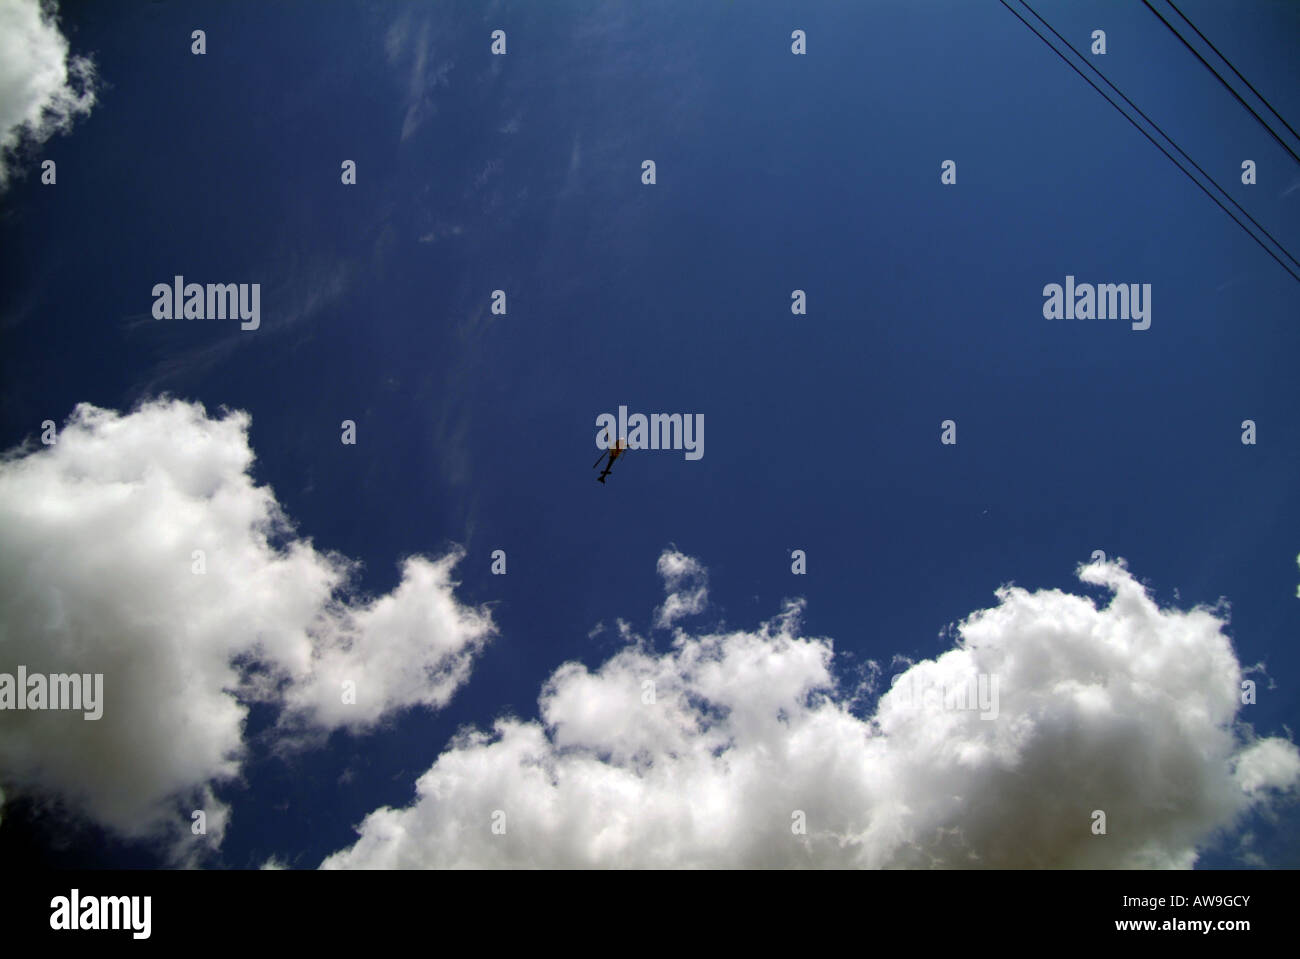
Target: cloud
[311,285]
[686,583]
[715,752]
[441,231]
[98,575]
[410,48]
[42,87]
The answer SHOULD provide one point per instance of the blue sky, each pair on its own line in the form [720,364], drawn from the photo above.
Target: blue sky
[775,172]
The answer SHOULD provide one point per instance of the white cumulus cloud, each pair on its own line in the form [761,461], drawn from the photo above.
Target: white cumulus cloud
[138,546]
[42,86]
[686,582]
[739,749]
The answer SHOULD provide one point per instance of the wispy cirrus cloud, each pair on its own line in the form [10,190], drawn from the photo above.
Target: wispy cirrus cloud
[408,45]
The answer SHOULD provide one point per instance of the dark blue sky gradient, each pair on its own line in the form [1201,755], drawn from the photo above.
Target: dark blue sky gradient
[775,172]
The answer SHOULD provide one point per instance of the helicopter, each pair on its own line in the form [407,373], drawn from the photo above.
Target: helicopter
[613,452]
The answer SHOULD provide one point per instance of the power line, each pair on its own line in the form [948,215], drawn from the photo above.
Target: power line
[1227,85]
[1156,143]
[1157,128]
[1235,70]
